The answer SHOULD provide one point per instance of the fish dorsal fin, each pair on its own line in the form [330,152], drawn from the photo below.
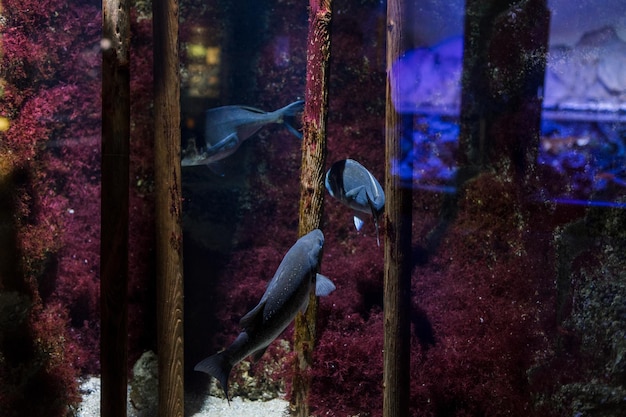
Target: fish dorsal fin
[353,193]
[252,109]
[323,285]
[253,318]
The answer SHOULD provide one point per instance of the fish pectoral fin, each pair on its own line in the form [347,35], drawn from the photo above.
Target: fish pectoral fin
[358,222]
[229,142]
[258,354]
[354,192]
[253,318]
[323,285]
[374,199]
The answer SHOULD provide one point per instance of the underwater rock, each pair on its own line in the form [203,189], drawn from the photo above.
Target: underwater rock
[430,78]
[588,76]
[258,382]
[611,71]
[144,385]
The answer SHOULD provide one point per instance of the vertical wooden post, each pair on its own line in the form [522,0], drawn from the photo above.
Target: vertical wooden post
[168,208]
[114,206]
[398,212]
[312,184]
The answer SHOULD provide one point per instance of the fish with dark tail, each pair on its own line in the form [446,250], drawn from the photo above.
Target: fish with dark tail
[227,127]
[353,185]
[286,294]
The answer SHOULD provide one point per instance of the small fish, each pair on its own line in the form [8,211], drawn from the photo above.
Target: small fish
[353,185]
[286,294]
[227,127]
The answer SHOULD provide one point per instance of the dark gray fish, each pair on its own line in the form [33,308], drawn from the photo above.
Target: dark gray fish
[227,127]
[286,294]
[353,185]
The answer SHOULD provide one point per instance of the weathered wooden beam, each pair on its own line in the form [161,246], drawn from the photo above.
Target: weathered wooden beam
[398,219]
[312,184]
[114,206]
[168,188]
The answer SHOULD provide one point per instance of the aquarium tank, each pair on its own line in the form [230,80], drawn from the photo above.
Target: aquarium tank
[512,149]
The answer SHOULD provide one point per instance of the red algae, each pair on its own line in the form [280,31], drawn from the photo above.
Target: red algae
[481,295]
[486,296]
[51,158]
[43,358]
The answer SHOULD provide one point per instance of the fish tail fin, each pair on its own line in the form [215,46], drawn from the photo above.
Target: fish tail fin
[218,367]
[292,110]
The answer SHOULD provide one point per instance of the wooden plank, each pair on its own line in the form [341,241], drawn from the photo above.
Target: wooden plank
[114,206]
[398,212]
[312,185]
[168,208]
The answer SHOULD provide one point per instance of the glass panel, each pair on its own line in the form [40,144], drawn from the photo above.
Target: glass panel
[513,123]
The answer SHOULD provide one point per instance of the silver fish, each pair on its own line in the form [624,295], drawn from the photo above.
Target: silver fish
[354,186]
[227,127]
[286,294]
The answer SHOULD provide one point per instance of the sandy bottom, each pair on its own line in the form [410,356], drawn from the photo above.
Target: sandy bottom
[207,406]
